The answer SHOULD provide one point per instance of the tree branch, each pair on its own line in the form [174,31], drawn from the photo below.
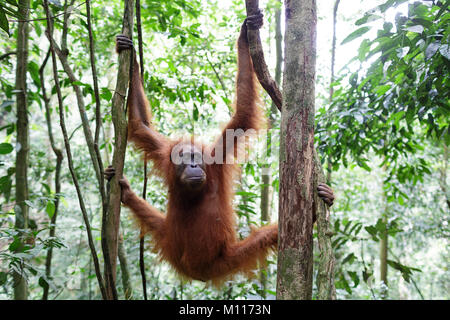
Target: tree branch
[80,102]
[144,189]
[109,275]
[5,55]
[259,63]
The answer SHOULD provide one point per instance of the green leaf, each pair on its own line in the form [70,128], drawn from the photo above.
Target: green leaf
[42,282]
[2,278]
[445,51]
[14,245]
[4,21]
[382,89]
[367,18]
[354,277]
[106,94]
[431,49]
[6,148]
[367,274]
[355,34]
[50,209]
[195,113]
[417,28]
[364,48]
[405,270]
[372,231]
[33,69]
[349,258]
[6,103]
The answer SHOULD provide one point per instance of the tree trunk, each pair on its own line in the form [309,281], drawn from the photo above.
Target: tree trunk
[383,260]
[295,245]
[265,189]
[326,289]
[110,225]
[23,137]
[126,281]
[59,159]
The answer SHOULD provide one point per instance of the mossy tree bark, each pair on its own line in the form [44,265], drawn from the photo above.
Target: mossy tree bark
[23,137]
[295,245]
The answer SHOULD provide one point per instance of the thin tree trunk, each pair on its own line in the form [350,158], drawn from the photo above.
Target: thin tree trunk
[295,245]
[62,55]
[259,63]
[110,225]
[109,272]
[142,235]
[144,189]
[265,189]
[23,137]
[59,159]
[333,59]
[383,260]
[384,246]
[69,155]
[443,175]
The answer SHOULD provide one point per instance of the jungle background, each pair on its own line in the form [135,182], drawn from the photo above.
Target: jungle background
[382,133]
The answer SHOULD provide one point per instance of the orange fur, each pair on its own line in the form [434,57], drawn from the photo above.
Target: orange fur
[197,235]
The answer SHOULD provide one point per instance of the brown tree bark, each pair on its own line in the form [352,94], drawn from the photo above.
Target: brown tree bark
[110,225]
[295,245]
[23,138]
[325,280]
